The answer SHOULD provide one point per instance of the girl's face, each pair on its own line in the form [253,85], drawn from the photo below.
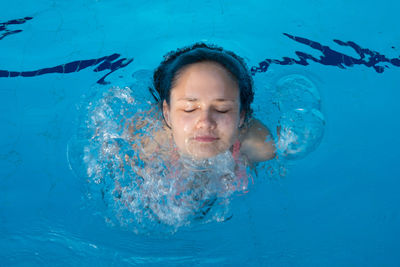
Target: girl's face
[204,111]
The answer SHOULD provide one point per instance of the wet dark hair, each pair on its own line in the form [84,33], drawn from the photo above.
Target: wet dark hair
[167,74]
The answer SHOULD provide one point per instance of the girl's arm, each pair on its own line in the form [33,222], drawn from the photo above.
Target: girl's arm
[257,142]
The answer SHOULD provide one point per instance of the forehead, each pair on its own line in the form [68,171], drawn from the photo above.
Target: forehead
[205,80]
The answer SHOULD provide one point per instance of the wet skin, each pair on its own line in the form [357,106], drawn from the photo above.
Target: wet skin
[205,118]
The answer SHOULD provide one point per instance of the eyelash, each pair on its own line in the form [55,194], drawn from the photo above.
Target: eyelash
[219,111]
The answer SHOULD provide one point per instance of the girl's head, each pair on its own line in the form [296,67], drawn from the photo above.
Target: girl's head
[205,93]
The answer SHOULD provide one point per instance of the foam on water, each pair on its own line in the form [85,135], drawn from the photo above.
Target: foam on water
[145,184]
[144,188]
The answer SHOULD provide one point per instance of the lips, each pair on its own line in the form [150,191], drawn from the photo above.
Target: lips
[205,138]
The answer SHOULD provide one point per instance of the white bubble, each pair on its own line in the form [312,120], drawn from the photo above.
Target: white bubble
[301,132]
[297,91]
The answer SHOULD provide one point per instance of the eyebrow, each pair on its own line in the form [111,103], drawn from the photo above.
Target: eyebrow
[192,99]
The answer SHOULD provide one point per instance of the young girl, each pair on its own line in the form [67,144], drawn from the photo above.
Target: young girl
[205,93]
[188,154]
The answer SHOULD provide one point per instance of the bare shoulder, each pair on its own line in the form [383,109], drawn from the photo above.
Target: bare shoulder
[257,142]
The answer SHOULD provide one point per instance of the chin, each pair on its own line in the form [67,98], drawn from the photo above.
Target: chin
[203,155]
[205,151]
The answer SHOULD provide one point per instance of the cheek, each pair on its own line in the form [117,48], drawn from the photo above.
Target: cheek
[229,124]
[181,123]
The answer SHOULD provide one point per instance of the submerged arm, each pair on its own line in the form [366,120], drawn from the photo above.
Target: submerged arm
[257,142]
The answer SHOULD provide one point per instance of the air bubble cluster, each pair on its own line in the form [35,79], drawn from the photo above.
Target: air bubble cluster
[301,124]
[142,189]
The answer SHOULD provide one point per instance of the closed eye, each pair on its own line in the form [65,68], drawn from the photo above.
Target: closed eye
[190,110]
[222,111]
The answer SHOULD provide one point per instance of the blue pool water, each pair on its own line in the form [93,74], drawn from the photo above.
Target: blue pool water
[334,204]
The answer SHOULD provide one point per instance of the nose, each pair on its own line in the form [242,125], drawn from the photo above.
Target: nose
[206,120]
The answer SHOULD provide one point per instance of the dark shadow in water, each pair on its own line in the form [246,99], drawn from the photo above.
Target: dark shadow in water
[3,26]
[331,57]
[103,63]
[110,62]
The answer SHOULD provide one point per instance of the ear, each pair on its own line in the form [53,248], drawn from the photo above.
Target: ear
[242,116]
[166,113]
